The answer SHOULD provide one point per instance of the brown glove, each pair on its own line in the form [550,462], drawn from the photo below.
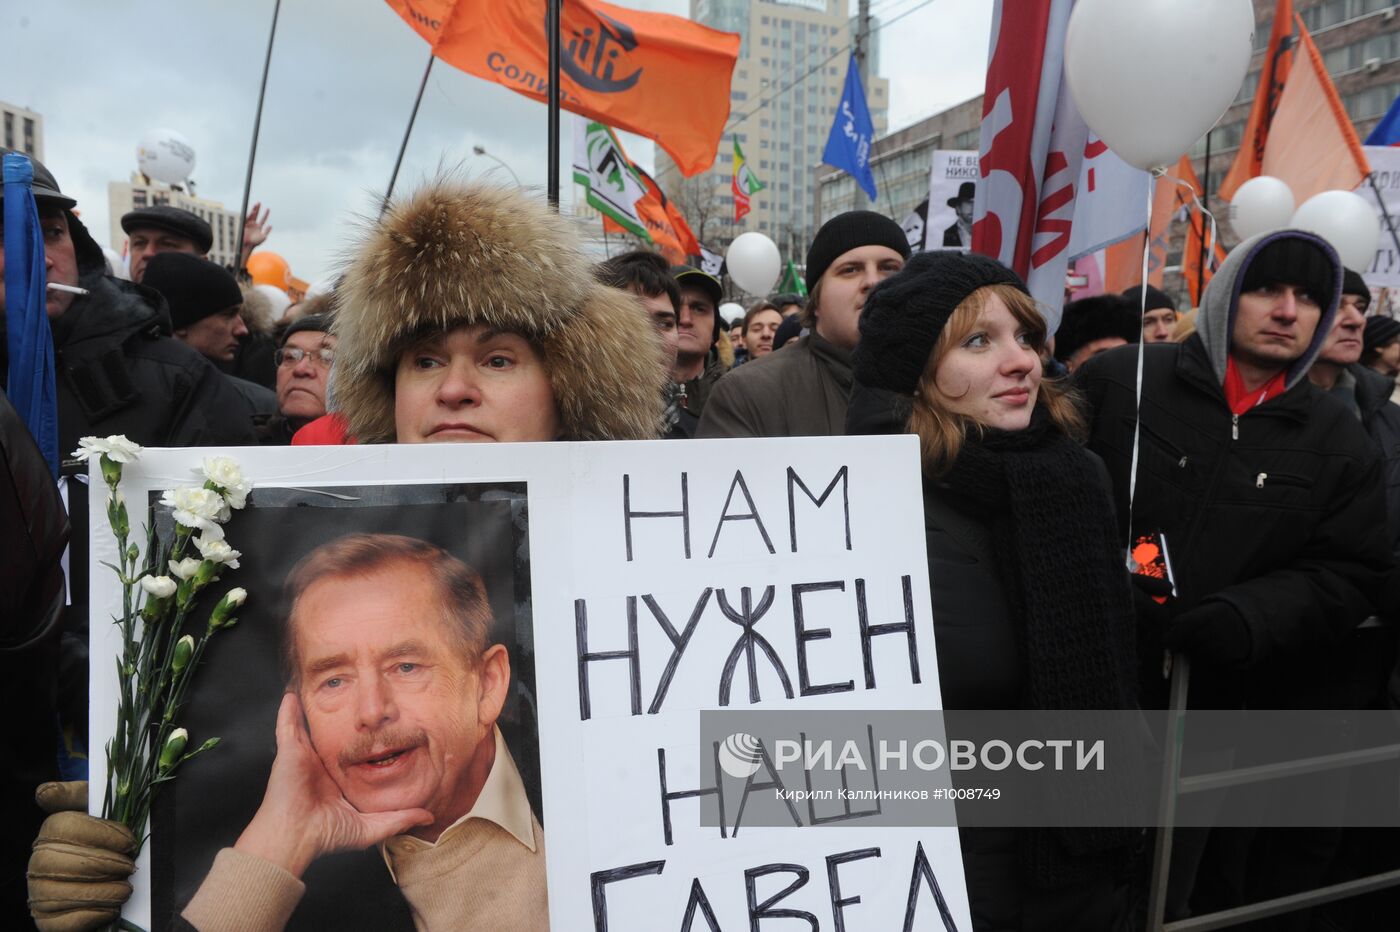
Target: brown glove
[78,871]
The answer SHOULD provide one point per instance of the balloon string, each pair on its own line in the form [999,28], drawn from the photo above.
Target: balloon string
[1142,333]
[1199,205]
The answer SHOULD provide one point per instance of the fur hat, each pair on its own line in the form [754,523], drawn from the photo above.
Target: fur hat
[905,314]
[464,254]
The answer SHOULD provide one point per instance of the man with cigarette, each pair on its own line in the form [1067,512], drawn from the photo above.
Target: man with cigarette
[119,370]
[387,735]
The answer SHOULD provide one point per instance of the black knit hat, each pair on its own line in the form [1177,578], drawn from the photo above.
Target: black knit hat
[851,230]
[1096,318]
[789,329]
[173,220]
[1156,298]
[193,287]
[316,323]
[906,312]
[1354,284]
[1293,260]
[1380,331]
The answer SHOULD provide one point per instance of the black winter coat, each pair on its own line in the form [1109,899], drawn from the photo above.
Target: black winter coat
[120,372]
[33,532]
[1273,511]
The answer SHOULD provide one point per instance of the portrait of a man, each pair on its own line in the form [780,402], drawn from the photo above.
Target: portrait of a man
[387,736]
[959,234]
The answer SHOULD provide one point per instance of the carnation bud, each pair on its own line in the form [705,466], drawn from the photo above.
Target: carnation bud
[221,617]
[173,750]
[180,656]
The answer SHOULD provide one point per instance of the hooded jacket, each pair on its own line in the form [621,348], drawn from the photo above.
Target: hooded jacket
[1272,511]
[456,254]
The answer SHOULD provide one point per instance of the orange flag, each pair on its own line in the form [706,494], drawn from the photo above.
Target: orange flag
[670,233]
[1123,260]
[1272,75]
[653,74]
[1312,144]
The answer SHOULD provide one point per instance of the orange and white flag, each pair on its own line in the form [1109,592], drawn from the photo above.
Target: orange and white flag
[657,75]
[1278,60]
[1312,145]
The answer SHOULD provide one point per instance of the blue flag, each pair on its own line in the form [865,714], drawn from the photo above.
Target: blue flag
[848,145]
[1387,131]
[31,387]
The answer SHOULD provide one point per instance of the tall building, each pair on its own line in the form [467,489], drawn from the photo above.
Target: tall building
[783,99]
[125,196]
[22,129]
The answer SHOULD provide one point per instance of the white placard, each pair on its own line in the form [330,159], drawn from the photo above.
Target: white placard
[748,513]
[954,174]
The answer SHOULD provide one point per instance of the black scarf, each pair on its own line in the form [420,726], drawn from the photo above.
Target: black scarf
[1066,587]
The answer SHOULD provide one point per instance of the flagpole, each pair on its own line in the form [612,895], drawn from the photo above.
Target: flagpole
[1205,201]
[257,123]
[403,146]
[553,12]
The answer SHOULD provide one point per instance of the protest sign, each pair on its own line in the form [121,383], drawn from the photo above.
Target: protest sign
[1384,271]
[634,588]
[952,187]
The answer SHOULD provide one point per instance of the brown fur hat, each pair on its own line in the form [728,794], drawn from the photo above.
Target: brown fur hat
[457,253]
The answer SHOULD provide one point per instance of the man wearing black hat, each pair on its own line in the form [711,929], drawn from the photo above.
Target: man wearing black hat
[162,228]
[1159,316]
[206,308]
[803,390]
[1264,491]
[1094,325]
[959,235]
[698,367]
[1381,350]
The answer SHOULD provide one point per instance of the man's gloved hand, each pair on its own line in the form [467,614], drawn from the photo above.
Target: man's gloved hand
[1212,633]
[78,871]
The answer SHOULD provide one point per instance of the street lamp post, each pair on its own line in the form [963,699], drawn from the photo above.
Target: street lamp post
[481,150]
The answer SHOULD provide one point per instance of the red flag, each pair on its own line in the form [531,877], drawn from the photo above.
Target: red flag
[1278,61]
[1312,144]
[657,75]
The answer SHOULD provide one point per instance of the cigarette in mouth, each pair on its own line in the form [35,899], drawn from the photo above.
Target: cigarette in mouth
[55,286]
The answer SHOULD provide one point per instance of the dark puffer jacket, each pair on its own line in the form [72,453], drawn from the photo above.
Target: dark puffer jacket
[1273,511]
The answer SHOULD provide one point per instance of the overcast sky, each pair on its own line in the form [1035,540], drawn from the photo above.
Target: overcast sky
[343,77]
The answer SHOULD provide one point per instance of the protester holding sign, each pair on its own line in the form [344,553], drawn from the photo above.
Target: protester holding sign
[470,313]
[1031,603]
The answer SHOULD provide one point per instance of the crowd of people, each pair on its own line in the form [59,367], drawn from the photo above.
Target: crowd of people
[1257,433]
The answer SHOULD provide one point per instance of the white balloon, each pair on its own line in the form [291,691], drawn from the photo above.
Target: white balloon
[731,312]
[754,262]
[1152,76]
[1261,205]
[165,155]
[1347,221]
[276,297]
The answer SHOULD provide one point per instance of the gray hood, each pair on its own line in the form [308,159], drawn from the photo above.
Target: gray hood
[1215,321]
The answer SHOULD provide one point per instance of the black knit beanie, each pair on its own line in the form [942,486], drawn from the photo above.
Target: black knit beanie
[906,312]
[1293,260]
[853,229]
[1156,298]
[1354,284]
[1096,318]
[193,287]
[1380,331]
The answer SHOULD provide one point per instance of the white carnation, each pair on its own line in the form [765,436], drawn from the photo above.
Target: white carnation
[158,587]
[225,472]
[117,448]
[217,550]
[185,568]
[197,508]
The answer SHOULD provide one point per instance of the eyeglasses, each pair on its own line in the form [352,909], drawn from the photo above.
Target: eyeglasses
[292,355]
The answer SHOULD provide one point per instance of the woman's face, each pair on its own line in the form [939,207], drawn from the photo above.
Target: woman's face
[473,384]
[992,375]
